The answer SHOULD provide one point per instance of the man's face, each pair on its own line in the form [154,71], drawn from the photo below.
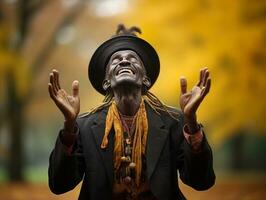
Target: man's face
[125,68]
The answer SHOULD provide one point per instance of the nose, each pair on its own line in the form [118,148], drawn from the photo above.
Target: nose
[124,63]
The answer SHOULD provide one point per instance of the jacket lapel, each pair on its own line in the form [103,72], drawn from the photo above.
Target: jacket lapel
[107,154]
[157,135]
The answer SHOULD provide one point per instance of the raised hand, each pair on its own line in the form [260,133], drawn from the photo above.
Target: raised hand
[69,105]
[190,101]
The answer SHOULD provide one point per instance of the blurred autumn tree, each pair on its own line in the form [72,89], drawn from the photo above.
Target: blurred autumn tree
[19,71]
[227,36]
[230,38]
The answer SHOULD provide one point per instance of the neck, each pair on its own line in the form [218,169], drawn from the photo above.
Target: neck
[128,100]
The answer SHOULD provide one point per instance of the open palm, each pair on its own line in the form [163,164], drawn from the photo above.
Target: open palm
[68,104]
[190,101]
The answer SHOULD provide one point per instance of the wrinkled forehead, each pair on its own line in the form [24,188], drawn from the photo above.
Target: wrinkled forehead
[125,53]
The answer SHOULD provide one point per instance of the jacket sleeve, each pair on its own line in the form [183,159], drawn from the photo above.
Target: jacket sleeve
[65,169]
[195,168]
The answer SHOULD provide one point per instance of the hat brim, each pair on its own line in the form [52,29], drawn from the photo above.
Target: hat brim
[101,56]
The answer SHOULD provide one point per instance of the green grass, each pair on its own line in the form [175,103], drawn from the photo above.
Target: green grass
[31,174]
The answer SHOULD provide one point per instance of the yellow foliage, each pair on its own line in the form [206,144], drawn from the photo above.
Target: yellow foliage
[226,36]
[13,64]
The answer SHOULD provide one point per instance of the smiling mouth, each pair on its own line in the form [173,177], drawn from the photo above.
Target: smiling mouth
[125,71]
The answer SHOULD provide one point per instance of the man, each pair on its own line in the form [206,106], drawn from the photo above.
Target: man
[132,145]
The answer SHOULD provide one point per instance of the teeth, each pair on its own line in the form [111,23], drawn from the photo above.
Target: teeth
[125,71]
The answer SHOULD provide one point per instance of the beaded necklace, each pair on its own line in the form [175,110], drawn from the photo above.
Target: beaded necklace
[127,170]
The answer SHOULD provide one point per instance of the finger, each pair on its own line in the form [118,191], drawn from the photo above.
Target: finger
[54,79]
[52,82]
[51,91]
[200,78]
[75,88]
[51,78]
[206,76]
[206,89]
[203,76]
[183,85]
[56,76]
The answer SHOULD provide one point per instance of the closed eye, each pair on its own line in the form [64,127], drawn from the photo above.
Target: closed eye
[132,59]
[116,60]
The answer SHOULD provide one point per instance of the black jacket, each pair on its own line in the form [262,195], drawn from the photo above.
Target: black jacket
[167,151]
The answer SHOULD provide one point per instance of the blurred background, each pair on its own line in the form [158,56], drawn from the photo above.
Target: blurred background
[227,36]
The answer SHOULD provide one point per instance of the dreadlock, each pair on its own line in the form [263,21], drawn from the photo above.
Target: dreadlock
[149,98]
[157,105]
[106,102]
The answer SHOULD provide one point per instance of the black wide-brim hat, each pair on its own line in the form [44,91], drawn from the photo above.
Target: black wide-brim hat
[101,56]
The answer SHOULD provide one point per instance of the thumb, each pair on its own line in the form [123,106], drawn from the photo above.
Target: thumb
[75,88]
[183,84]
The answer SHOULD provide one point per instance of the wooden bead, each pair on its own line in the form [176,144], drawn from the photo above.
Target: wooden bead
[123,159]
[128,141]
[126,159]
[132,165]
[127,180]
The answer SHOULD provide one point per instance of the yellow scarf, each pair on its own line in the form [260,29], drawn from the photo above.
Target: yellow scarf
[139,142]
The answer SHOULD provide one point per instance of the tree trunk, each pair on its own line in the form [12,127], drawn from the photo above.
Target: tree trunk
[15,104]
[15,119]
[238,151]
